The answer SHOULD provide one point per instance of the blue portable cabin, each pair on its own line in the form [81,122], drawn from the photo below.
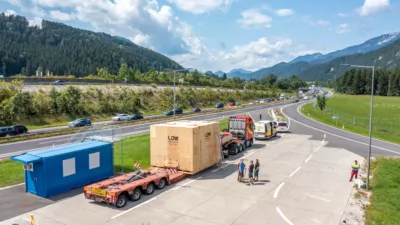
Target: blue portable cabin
[56,170]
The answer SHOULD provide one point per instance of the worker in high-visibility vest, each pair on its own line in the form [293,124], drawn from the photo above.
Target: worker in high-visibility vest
[354,170]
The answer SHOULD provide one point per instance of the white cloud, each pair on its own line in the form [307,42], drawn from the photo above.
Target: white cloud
[373,6]
[200,6]
[253,17]
[312,22]
[341,15]
[284,12]
[343,28]
[37,21]
[252,56]
[58,15]
[9,12]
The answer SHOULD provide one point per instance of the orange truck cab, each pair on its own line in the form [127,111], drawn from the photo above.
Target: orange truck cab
[242,130]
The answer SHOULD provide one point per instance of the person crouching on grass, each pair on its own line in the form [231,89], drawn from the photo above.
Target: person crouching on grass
[251,170]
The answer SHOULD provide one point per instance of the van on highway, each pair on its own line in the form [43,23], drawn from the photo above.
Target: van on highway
[264,129]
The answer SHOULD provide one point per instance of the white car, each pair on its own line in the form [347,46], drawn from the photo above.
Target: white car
[122,117]
[283,126]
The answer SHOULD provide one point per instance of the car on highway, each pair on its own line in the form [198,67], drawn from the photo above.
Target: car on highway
[195,109]
[170,113]
[59,82]
[127,117]
[7,131]
[231,104]
[295,100]
[282,126]
[20,129]
[219,105]
[81,122]
[238,103]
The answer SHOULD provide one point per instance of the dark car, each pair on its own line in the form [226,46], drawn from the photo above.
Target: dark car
[137,117]
[295,100]
[178,111]
[219,105]
[20,129]
[81,122]
[7,131]
[169,113]
[196,109]
[59,82]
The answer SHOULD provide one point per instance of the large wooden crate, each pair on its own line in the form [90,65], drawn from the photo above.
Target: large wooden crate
[189,146]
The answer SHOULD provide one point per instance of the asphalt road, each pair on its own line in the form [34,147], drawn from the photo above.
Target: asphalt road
[10,149]
[337,138]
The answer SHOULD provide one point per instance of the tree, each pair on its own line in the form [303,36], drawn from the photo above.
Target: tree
[126,73]
[272,78]
[224,77]
[21,105]
[321,102]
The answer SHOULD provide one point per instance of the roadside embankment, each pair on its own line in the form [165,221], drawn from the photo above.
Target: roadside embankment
[351,113]
[277,114]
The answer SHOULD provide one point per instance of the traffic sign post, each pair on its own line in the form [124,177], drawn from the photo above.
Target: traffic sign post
[335,118]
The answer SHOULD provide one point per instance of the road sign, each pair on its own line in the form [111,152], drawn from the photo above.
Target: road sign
[335,117]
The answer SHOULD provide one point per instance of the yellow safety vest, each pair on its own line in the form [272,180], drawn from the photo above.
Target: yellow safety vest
[355,167]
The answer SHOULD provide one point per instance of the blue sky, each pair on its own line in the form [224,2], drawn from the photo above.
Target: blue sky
[224,34]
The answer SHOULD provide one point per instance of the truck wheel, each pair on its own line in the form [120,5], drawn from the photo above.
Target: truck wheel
[135,196]
[237,149]
[161,184]
[243,147]
[121,201]
[150,189]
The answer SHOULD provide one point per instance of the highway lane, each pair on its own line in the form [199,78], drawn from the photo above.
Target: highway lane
[10,149]
[337,138]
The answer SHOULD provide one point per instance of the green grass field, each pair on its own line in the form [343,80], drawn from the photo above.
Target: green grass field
[353,113]
[135,148]
[385,187]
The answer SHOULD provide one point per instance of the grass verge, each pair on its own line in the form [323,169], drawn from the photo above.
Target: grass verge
[135,148]
[353,113]
[385,186]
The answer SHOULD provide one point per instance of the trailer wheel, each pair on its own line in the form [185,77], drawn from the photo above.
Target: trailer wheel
[121,201]
[237,149]
[150,189]
[135,196]
[243,147]
[161,184]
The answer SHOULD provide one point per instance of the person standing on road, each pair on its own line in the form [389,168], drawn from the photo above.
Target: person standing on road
[256,169]
[241,170]
[251,170]
[260,116]
[354,170]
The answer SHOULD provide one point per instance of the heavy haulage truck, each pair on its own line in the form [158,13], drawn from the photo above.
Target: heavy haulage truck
[177,149]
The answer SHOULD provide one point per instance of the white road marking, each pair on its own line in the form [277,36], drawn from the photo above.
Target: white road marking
[383,149]
[8,187]
[315,220]
[309,157]
[247,155]
[221,167]
[278,189]
[189,182]
[135,207]
[318,198]
[283,216]
[291,175]
[283,135]
[324,136]
[51,142]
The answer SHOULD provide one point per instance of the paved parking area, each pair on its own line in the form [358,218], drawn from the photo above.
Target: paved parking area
[301,182]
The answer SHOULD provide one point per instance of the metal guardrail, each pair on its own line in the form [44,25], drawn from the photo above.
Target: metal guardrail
[67,130]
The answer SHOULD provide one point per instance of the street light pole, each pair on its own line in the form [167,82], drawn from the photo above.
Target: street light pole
[174,87]
[370,119]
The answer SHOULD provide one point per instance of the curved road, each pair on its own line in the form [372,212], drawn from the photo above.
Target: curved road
[337,138]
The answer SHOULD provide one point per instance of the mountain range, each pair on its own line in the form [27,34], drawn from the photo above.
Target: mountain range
[326,66]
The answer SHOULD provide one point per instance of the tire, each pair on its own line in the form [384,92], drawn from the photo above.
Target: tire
[150,189]
[242,148]
[121,201]
[161,184]
[136,195]
[237,149]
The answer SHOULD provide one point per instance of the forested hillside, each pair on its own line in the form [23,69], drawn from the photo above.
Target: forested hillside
[358,82]
[64,50]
